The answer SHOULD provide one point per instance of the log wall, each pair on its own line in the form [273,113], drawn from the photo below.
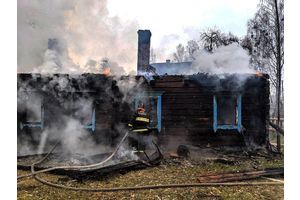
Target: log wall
[187,105]
[187,111]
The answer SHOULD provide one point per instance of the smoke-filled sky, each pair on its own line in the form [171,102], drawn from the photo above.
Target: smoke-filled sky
[89,31]
[84,31]
[175,21]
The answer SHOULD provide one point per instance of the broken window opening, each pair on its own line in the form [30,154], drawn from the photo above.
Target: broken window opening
[227,112]
[34,114]
[92,124]
[152,104]
[84,111]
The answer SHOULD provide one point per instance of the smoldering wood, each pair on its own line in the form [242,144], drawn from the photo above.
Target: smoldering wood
[122,166]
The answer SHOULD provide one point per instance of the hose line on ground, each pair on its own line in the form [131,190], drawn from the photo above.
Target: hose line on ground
[114,189]
[147,187]
[72,167]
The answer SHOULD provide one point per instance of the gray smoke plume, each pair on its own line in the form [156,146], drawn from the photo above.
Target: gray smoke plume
[226,59]
[129,85]
[167,42]
[84,30]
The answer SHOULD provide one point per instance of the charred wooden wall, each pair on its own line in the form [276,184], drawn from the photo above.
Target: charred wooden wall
[187,109]
[59,92]
[187,105]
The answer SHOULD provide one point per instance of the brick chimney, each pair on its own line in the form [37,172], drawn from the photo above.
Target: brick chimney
[144,37]
[54,44]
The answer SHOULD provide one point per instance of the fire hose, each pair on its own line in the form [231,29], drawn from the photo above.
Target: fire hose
[113,189]
[72,167]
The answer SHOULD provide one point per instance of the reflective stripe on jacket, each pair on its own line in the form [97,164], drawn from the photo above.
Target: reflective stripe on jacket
[140,130]
[142,119]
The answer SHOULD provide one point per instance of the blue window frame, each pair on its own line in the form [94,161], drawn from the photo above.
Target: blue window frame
[153,97]
[34,124]
[92,124]
[236,111]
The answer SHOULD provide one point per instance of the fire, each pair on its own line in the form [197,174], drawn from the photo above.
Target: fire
[106,71]
[76,58]
[259,74]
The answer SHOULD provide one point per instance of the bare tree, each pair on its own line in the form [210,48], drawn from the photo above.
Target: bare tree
[192,47]
[227,39]
[246,43]
[213,38]
[266,32]
[180,54]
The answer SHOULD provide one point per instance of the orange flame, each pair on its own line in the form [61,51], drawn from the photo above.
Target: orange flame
[259,74]
[106,71]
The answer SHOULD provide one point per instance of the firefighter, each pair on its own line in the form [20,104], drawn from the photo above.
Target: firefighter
[139,128]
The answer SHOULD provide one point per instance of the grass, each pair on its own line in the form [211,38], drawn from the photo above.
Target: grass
[186,172]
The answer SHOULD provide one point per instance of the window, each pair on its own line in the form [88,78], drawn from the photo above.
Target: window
[227,112]
[34,113]
[84,111]
[92,124]
[152,103]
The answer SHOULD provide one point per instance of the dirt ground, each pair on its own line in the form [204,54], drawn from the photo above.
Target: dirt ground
[171,170]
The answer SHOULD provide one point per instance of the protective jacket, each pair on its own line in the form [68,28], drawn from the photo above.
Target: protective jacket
[140,123]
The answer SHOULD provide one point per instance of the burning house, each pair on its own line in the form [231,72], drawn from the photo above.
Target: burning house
[198,109]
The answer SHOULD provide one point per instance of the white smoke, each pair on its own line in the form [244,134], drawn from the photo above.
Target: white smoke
[83,30]
[75,140]
[128,85]
[226,59]
[69,129]
[125,154]
[167,43]
[53,62]
[43,140]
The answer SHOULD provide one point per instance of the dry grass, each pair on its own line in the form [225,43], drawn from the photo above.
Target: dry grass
[163,174]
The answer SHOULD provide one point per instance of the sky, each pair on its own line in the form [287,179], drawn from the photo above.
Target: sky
[181,20]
